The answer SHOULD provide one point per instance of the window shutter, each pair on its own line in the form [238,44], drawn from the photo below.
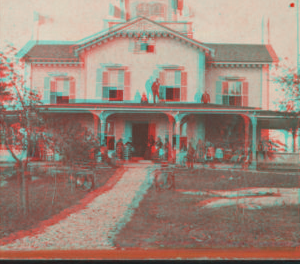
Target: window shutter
[105,95]
[245,94]
[105,78]
[66,89]
[183,86]
[162,92]
[105,83]
[127,86]
[72,90]
[177,78]
[46,90]
[53,86]
[121,79]
[218,92]
[98,92]
[162,78]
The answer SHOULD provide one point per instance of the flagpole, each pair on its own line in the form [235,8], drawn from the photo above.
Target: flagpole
[298,66]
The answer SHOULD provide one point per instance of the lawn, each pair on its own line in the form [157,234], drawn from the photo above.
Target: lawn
[172,219]
[47,197]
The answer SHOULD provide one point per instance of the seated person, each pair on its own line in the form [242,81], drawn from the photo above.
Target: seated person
[144,99]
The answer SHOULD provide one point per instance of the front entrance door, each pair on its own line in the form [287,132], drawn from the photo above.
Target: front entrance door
[139,138]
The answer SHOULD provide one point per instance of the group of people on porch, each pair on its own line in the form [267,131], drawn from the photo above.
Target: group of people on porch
[155,90]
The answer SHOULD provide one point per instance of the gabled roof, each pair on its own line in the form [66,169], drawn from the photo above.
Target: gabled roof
[219,53]
[139,25]
[251,53]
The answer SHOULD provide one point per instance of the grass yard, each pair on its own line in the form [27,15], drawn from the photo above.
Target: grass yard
[171,219]
[47,197]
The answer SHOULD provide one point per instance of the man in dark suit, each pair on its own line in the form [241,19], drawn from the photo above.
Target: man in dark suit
[155,89]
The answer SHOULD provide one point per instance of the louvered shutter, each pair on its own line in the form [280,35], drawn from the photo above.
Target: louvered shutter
[47,90]
[120,79]
[98,92]
[72,90]
[218,92]
[105,84]
[245,95]
[183,86]
[162,92]
[225,93]
[105,95]
[53,90]
[66,88]
[162,78]
[126,94]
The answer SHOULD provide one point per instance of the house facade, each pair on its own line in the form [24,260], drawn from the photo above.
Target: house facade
[99,81]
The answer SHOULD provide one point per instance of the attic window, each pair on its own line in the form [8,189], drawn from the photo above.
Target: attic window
[143,46]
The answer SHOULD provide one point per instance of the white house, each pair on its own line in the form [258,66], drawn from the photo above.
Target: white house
[99,81]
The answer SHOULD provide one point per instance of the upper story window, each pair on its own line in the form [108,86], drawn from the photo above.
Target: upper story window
[59,89]
[232,92]
[113,85]
[173,85]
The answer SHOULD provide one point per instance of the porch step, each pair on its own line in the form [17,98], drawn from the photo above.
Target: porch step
[146,161]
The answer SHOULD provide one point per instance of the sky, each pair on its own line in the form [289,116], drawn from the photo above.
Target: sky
[215,21]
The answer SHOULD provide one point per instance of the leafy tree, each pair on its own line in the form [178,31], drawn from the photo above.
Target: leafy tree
[71,140]
[20,118]
[287,81]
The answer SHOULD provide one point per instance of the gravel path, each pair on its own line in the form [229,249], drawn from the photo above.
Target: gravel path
[96,226]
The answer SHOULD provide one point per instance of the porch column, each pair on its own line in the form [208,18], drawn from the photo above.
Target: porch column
[247,125]
[254,143]
[170,128]
[177,133]
[96,125]
[103,130]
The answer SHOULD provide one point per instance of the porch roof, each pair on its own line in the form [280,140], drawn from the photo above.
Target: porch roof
[168,107]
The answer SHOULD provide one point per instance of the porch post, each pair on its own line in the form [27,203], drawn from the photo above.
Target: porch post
[103,129]
[177,133]
[247,124]
[96,125]
[254,131]
[171,127]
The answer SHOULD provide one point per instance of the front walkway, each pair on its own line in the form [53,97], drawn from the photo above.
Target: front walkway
[95,226]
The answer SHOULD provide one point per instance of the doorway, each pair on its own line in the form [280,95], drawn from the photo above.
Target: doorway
[139,138]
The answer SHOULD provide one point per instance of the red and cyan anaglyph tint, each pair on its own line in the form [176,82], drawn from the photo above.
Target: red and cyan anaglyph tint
[142,141]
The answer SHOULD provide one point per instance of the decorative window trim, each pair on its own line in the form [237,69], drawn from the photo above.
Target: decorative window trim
[171,67]
[232,78]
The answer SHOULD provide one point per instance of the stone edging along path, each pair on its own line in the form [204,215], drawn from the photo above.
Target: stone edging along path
[66,212]
[97,223]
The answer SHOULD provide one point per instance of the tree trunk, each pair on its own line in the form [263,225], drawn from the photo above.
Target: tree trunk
[24,191]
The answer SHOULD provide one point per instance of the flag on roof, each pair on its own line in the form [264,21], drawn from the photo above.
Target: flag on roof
[41,19]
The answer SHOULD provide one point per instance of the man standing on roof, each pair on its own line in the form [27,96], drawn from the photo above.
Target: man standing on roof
[205,98]
[155,89]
